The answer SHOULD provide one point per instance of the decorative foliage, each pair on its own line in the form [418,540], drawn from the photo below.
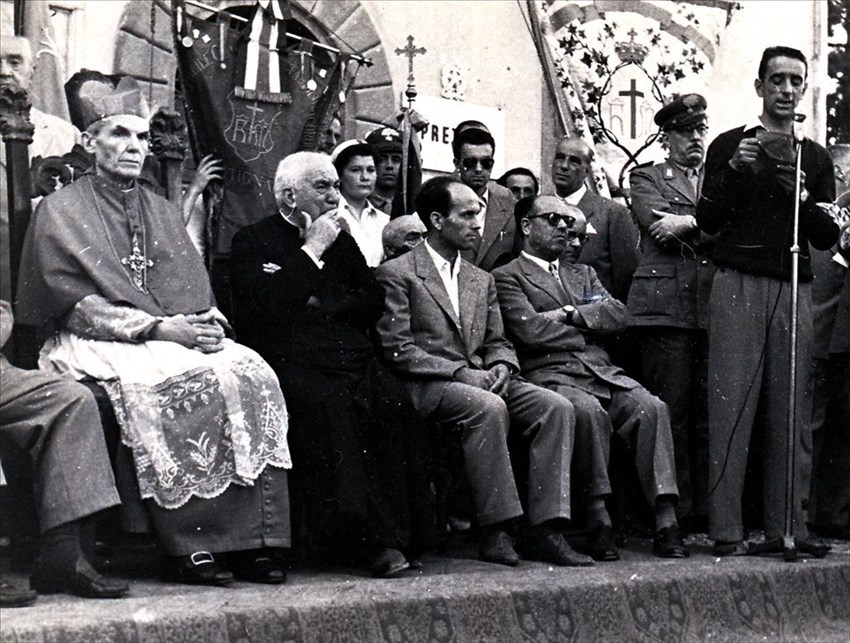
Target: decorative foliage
[667,42]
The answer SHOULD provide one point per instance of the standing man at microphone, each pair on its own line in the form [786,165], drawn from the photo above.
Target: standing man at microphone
[748,201]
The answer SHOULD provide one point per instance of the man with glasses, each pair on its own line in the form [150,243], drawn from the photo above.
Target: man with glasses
[554,309]
[473,148]
[668,300]
[612,251]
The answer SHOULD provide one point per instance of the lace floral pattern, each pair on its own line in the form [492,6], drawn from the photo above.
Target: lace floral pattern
[195,434]
[195,422]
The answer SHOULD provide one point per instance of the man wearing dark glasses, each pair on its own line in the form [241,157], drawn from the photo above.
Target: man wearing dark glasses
[473,148]
[554,309]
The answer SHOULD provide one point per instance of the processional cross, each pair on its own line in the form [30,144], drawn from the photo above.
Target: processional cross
[138,264]
[410,52]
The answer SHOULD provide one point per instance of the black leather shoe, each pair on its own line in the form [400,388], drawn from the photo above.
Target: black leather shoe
[11,596]
[668,543]
[199,568]
[730,548]
[600,544]
[498,547]
[552,547]
[389,563]
[258,569]
[81,580]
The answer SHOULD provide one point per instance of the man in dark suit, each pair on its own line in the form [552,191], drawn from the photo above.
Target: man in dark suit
[612,250]
[554,309]
[308,301]
[473,148]
[668,300]
[441,332]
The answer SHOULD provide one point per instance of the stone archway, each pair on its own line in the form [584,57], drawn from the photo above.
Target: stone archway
[144,50]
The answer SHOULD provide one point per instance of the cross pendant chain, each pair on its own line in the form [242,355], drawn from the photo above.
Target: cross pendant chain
[138,264]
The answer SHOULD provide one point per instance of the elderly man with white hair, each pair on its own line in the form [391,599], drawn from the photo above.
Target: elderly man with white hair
[108,266]
[308,302]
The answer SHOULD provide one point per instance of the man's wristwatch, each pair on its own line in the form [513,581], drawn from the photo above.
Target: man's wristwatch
[571,313]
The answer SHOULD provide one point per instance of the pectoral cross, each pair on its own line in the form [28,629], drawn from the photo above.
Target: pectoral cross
[138,264]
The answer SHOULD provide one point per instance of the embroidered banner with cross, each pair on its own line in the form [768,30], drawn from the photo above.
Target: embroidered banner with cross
[253,94]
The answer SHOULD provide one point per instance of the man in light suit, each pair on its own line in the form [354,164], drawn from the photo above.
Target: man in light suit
[668,300]
[554,310]
[473,148]
[612,251]
[441,332]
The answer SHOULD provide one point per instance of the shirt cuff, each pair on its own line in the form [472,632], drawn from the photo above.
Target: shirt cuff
[319,263]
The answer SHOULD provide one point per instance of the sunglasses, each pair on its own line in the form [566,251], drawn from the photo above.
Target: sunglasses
[554,218]
[470,163]
[572,236]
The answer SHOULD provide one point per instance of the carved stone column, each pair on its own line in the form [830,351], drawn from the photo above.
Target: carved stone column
[167,144]
[17,130]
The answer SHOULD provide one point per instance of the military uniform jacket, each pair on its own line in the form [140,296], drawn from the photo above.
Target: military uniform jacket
[673,279]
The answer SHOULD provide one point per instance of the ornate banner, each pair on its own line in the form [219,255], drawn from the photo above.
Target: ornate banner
[251,99]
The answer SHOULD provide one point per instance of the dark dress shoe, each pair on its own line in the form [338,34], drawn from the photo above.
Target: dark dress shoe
[11,596]
[553,548]
[80,580]
[389,563]
[668,543]
[199,568]
[498,547]
[600,544]
[730,548]
[258,569]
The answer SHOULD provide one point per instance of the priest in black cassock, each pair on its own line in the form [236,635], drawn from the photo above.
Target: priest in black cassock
[109,268]
[308,302]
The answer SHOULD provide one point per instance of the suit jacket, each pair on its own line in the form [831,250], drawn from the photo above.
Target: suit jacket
[423,340]
[612,251]
[497,237]
[300,314]
[672,282]
[556,353]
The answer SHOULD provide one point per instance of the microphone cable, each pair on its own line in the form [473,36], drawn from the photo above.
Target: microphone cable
[759,365]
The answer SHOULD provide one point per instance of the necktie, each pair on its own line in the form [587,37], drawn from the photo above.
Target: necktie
[553,270]
[693,178]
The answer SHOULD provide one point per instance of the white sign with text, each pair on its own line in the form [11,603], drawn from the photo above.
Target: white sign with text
[442,116]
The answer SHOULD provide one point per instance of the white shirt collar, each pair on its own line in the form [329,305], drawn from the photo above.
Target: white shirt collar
[541,262]
[752,123]
[369,211]
[441,262]
[576,196]
[449,272]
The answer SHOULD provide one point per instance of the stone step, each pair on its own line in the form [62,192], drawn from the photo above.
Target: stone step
[455,597]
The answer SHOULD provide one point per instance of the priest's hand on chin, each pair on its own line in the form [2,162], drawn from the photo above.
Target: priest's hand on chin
[198,332]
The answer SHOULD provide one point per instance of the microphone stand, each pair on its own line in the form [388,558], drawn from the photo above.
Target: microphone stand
[787,544]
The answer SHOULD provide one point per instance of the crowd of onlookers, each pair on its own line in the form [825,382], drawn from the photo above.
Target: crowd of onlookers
[499,359]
